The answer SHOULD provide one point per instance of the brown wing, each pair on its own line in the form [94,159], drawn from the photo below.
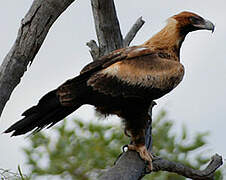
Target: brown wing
[115,56]
[74,89]
[139,75]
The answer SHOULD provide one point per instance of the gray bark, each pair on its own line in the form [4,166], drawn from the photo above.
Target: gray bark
[130,167]
[206,174]
[32,32]
[133,31]
[107,26]
[108,29]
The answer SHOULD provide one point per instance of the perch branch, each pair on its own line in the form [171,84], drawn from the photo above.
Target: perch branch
[160,164]
[32,32]
[133,31]
[129,166]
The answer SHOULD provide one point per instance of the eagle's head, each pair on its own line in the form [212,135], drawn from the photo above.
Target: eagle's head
[176,29]
[188,22]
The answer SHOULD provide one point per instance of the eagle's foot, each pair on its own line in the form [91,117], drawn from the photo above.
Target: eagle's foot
[144,154]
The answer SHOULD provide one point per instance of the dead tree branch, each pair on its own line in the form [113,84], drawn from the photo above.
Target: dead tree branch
[130,167]
[107,26]
[206,174]
[133,31]
[108,29]
[32,32]
[94,49]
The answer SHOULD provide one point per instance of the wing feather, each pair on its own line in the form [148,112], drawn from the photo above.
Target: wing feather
[124,72]
[74,88]
[140,75]
[115,56]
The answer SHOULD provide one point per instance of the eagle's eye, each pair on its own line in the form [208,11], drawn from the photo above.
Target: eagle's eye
[195,20]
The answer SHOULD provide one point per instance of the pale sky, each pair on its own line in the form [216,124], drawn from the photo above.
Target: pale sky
[198,102]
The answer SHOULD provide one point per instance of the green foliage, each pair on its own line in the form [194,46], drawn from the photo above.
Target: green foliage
[75,152]
[81,150]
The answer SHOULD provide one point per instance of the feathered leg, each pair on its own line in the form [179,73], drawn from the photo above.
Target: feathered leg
[135,124]
[138,144]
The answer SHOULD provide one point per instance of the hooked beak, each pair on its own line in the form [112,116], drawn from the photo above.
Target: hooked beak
[207,25]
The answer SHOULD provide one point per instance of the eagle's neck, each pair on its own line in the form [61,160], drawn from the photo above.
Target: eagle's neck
[169,39]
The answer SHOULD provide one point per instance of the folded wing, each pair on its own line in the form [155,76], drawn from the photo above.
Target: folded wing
[129,71]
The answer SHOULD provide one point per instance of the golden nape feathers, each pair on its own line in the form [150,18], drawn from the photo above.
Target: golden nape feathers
[173,34]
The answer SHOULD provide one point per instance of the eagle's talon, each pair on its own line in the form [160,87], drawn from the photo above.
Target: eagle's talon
[144,154]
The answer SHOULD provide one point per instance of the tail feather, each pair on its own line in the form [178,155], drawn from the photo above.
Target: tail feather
[47,112]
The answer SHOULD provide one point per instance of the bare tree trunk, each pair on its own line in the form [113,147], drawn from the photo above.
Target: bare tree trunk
[109,36]
[33,30]
[108,29]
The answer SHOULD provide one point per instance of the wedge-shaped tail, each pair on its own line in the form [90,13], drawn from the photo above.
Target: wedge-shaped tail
[45,114]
